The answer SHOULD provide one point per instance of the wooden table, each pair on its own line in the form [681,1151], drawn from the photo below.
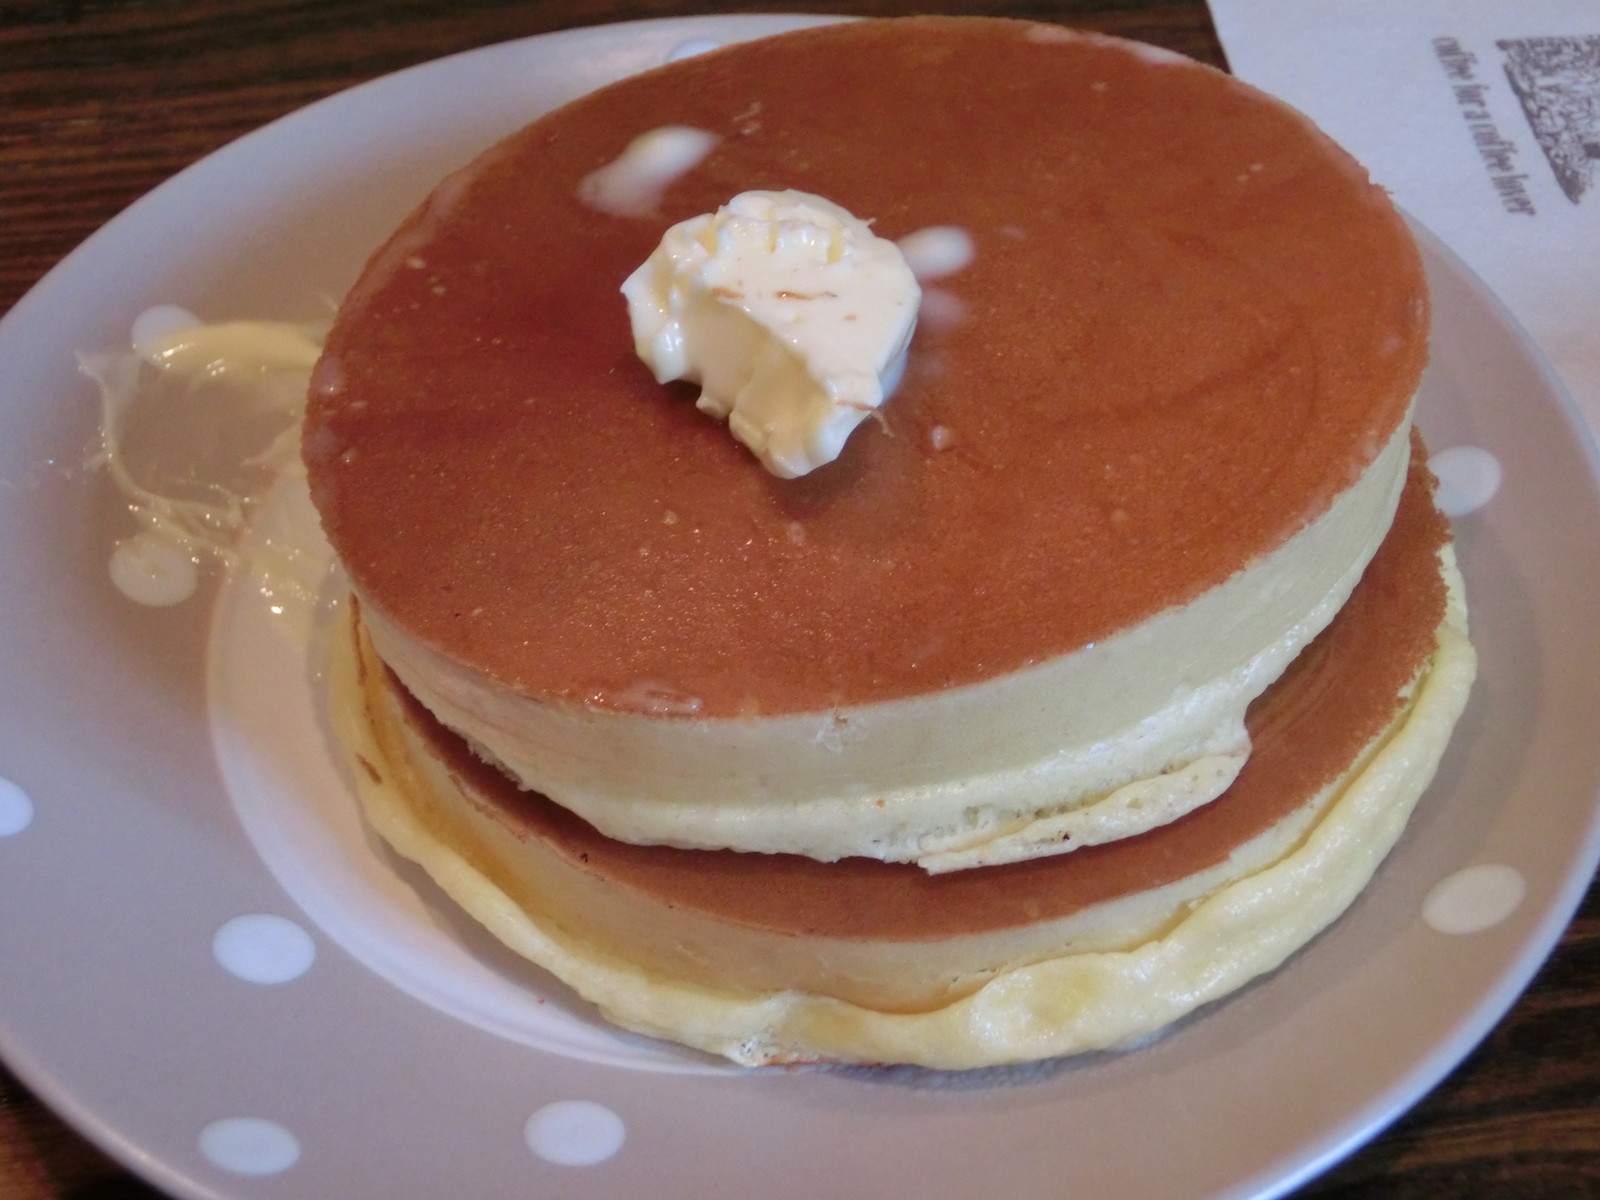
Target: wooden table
[101,101]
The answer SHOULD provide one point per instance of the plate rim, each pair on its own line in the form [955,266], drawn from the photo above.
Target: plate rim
[1362,1127]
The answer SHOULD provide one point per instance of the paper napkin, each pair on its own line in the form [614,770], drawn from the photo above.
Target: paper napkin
[1481,117]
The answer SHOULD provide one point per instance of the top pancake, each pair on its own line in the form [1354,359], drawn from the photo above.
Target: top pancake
[1190,323]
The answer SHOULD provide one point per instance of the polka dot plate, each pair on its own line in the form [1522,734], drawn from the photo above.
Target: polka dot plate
[212,969]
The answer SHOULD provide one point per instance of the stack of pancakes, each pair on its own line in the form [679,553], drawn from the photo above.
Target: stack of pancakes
[1086,685]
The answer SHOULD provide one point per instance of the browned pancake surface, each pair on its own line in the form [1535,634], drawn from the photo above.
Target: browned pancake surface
[1190,323]
[1307,729]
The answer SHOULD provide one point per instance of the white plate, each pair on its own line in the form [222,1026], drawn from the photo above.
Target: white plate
[126,849]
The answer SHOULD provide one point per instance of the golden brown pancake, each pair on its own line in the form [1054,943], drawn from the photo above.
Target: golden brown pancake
[1191,323]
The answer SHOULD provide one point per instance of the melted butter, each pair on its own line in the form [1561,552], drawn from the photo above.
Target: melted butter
[197,422]
[250,347]
[937,251]
[652,697]
[632,184]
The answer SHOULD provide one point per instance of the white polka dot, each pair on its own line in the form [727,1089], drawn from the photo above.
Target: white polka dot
[249,1146]
[1469,476]
[574,1133]
[1474,899]
[692,47]
[149,569]
[16,810]
[155,328]
[262,948]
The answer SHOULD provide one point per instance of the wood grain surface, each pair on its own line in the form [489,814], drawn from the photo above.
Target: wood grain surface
[100,100]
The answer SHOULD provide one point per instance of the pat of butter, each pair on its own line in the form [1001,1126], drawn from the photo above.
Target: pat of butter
[788,311]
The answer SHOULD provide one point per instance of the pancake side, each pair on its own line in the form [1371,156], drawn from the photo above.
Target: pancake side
[1183,340]
[775,958]
[1172,407]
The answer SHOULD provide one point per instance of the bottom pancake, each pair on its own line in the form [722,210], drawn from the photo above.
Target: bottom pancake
[775,958]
